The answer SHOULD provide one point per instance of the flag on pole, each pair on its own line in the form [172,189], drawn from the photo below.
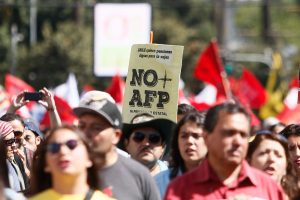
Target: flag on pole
[117,88]
[209,67]
[298,87]
[4,101]
[14,85]
[250,87]
[291,109]
[68,91]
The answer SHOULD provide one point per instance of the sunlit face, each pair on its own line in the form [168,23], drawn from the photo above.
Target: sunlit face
[191,143]
[270,157]
[31,141]
[19,131]
[294,150]
[12,147]
[227,144]
[99,131]
[145,151]
[67,161]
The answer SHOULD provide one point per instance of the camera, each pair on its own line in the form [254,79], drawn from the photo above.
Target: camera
[33,96]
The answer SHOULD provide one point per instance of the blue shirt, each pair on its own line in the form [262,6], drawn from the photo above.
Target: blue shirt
[162,180]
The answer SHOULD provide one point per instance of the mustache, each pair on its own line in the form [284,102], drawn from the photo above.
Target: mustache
[145,148]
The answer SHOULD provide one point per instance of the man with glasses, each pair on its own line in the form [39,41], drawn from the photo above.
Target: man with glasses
[146,139]
[18,126]
[18,179]
[121,177]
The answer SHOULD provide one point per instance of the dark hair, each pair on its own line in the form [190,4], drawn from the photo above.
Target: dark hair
[289,181]
[184,109]
[291,130]
[258,138]
[3,165]
[41,180]
[8,117]
[177,162]
[213,113]
[273,127]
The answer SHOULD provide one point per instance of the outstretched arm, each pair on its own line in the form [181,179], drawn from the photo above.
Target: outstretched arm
[49,103]
[17,102]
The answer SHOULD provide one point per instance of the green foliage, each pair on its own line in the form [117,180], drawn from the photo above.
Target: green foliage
[49,62]
[65,36]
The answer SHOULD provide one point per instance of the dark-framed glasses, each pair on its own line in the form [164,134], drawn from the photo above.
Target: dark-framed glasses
[18,133]
[153,138]
[54,147]
[10,142]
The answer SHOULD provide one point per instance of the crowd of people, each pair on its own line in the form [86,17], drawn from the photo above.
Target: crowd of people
[213,154]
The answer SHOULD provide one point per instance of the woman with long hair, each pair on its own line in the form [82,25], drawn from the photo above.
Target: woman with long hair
[269,152]
[187,149]
[64,167]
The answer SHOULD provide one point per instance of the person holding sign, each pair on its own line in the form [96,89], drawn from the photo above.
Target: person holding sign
[121,177]
[146,139]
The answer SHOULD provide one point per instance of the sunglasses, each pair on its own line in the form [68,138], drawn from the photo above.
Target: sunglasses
[10,141]
[153,138]
[18,133]
[55,147]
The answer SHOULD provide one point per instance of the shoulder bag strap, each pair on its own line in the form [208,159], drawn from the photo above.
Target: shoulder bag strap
[89,194]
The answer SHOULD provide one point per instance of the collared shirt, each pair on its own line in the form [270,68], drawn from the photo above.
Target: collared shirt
[16,180]
[203,184]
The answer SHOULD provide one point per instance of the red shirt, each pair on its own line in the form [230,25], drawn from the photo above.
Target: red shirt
[203,184]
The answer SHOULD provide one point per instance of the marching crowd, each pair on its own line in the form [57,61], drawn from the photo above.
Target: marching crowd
[213,154]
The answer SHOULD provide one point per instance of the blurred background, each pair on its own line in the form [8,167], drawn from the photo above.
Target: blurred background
[43,41]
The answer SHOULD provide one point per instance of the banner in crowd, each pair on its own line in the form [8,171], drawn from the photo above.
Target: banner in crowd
[152,81]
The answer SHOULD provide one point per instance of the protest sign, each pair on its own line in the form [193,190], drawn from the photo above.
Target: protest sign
[152,81]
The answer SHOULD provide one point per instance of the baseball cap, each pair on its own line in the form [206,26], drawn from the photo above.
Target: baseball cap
[5,129]
[31,125]
[102,104]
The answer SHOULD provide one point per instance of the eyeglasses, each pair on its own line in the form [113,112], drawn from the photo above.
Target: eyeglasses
[18,133]
[55,147]
[153,138]
[10,141]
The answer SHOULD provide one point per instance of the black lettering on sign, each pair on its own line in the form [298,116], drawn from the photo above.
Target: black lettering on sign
[137,77]
[149,77]
[136,97]
[149,94]
[163,98]
[152,74]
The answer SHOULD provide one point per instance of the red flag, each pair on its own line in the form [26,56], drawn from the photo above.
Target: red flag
[290,116]
[87,88]
[209,67]
[4,101]
[243,100]
[64,111]
[117,88]
[14,85]
[298,87]
[290,112]
[249,87]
